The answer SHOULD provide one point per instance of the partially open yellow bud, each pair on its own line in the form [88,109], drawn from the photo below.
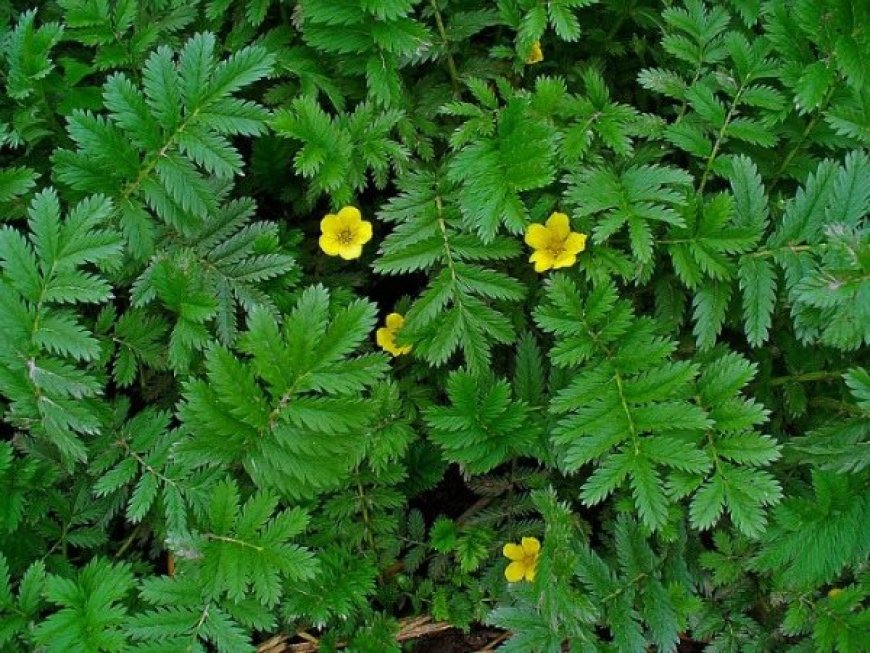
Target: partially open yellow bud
[536,54]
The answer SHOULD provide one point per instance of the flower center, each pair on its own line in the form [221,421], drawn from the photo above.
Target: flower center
[529,561]
[345,236]
[556,247]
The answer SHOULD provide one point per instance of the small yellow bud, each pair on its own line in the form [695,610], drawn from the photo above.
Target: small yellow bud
[536,54]
[386,335]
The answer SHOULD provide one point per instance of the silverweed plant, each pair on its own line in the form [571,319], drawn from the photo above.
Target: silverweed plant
[434,325]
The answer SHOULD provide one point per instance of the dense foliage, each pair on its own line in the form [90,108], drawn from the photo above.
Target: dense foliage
[273,357]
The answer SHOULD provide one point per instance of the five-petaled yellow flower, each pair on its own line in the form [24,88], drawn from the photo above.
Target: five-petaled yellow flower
[536,54]
[555,245]
[344,233]
[386,335]
[524,559]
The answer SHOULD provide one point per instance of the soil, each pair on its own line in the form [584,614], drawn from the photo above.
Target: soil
[488,640]
[450,498]
[456,642]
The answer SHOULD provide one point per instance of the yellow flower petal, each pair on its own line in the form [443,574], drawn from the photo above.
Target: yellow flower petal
[395,321]
[330,224]
[542,259]
[559,225]
[531,546]
[395,350]
[513,551]
[537,236]
[514,572]
[531,572]
[329,244]
[564,260]
[391,349]
[363,232]
[348,252]
[350,215]
[384,337]
[575,243]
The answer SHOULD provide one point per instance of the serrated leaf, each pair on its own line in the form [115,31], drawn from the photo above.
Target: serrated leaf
[758,284]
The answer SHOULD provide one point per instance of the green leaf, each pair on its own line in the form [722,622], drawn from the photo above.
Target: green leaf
[483,427]
[19,263]
[758,284]
[61,333]
[495,169]
[750,201]
[78,625]
[858,381]
[649,497]
[813,85]
[710,308]
[708,504]
[607,478]
[15,182]
[247,548]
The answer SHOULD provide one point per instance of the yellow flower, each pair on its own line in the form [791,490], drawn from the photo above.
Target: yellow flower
[555,245]
[344,233]
[536,55]
[834,592]
[524,559]
[386,335]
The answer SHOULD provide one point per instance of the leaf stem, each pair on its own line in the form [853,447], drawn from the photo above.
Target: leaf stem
[786,162]
[442,226]
[232,540]
[720,138]
[805,377]
[148,168]
[631,426]
[144,463]
[619,591]
[451,64]
[129,540]
[364,511]
[767,253]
